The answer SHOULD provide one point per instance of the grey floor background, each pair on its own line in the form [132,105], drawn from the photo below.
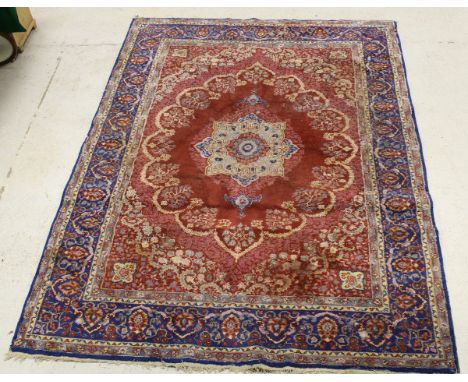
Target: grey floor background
[50,94]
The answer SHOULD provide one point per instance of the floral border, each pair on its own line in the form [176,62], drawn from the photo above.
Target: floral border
[443,329]
[380,301]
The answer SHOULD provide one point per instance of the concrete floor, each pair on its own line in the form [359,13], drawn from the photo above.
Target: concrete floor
[50,94]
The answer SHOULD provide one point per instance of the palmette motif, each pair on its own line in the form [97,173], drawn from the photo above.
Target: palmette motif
[250,192]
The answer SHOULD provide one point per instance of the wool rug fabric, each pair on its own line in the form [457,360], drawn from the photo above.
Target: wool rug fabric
[250,193]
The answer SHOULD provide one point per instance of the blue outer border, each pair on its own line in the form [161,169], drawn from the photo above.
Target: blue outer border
[431,202]
[12,348]
[169,362]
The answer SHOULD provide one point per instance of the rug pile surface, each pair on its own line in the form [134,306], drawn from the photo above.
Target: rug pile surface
[250,193]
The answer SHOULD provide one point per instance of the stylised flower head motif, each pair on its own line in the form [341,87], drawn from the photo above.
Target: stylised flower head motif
[123,272]
[230,326]
[327,329]
[138,321]
[351,280]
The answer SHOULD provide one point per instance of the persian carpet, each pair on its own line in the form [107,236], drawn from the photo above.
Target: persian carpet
[250,193]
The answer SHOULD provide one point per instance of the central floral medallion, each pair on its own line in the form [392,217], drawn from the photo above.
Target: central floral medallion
[248,134]
[247,149]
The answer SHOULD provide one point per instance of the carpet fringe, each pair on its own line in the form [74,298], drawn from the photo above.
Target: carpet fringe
[190,367]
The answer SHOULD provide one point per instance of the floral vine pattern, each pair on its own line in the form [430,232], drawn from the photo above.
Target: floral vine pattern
[317,200]
[193,273]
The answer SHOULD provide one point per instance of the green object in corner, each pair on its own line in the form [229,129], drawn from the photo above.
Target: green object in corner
[9,21]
